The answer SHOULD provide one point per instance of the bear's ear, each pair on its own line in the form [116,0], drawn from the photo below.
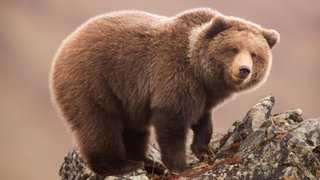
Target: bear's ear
[219,24]
[272,37]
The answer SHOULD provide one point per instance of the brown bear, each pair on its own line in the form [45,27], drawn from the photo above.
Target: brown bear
[122,72]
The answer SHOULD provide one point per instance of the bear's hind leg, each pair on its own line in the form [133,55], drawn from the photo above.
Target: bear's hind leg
[100,140]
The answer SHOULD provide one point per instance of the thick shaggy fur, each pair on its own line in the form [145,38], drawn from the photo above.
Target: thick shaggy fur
[122,72]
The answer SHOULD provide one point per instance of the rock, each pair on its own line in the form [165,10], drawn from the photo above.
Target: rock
[261,146]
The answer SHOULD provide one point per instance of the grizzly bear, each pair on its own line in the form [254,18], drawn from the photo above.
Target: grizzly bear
[123,72]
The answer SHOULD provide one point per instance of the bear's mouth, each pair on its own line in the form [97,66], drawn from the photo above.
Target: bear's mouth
[241,77]
[238,79]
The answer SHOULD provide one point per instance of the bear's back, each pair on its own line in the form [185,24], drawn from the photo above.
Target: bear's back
[122,34]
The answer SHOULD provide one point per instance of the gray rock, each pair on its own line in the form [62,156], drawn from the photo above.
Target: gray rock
[258,114]
[261,146]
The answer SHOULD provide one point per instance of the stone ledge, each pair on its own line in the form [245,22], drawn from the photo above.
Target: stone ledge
[261,146]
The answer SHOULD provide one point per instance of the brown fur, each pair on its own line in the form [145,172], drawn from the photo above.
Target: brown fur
[122,72]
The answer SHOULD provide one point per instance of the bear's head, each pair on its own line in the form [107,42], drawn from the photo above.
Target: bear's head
[231,53]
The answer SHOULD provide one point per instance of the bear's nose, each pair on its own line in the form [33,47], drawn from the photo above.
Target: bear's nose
[244,71]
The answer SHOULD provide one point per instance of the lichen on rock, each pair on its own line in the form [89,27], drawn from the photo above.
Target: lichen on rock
[261,146]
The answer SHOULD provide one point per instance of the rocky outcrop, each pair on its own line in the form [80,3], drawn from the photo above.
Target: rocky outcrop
[261,146]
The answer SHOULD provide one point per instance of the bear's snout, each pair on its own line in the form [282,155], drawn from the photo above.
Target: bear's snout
[242,67]
[244,71]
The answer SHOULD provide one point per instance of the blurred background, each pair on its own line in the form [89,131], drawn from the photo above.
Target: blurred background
[33,139]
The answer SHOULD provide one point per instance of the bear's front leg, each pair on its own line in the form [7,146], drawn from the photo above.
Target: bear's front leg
[171,130]
[202,134]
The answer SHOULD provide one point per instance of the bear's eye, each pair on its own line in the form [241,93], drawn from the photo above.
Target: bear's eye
[253,55]
[234,50]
